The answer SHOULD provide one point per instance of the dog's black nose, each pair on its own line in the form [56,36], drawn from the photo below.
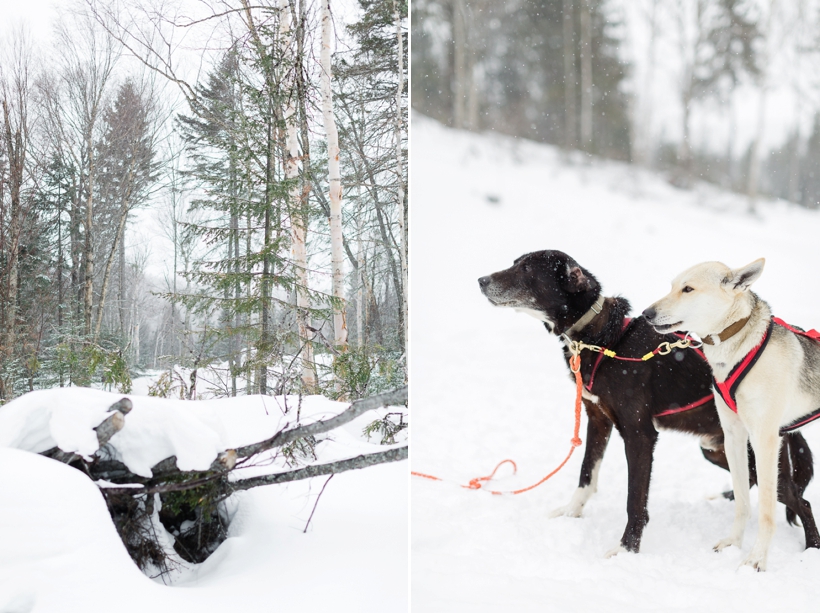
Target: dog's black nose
[650,314]
[484,282]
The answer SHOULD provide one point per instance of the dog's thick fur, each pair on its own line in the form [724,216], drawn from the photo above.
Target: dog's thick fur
[782,386]
[552,287]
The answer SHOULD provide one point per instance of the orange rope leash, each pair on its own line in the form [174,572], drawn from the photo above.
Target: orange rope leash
[475,484]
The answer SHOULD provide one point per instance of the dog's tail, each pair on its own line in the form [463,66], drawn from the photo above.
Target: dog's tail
[802,467]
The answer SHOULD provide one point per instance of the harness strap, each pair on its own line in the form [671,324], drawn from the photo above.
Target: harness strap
[627,321]
[728,388]
[812,334]
[800,421]
[672,411]
[691,405]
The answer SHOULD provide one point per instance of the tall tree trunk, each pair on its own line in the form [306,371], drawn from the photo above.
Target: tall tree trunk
[334,185]
[60,263]
[88,250]
[107,273]
[264,314]
[76,252]
[265,289]
[400,174]
[642,150]
[462,66]
[299,200]
[359,270]
[754,153]
[233,245]
[586,76]
[568,31]
[763,83]
[122,308]
[16,154]
[685,147]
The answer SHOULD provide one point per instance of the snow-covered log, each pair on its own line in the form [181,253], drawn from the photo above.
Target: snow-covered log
[174,463]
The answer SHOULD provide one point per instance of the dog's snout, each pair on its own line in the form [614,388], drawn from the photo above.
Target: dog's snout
[484,282]
[650,313]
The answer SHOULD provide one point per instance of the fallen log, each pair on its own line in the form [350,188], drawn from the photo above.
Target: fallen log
[194,498]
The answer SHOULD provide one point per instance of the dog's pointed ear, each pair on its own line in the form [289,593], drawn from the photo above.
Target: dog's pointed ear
[741,279]
[576,281]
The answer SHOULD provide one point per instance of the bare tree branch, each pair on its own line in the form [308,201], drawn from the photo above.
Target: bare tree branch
[315,470]
[359,407]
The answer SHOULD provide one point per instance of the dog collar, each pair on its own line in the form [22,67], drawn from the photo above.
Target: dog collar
[729,332]
[587,317]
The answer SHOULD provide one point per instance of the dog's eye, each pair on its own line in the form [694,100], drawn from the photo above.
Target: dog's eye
[525,268]
[687,289]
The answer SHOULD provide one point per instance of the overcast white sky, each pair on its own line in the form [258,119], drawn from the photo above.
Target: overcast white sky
[37,15]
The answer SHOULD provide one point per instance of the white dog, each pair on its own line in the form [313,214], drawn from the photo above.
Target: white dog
[767,378]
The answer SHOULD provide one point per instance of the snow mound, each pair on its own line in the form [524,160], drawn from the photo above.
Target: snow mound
[57,523]
[156,428]
[61,553]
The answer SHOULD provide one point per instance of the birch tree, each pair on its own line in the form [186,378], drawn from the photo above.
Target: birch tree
[297,205]
[334,184]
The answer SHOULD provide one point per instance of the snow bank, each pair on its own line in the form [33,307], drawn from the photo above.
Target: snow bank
[489,384]
[156,428]
[60,551]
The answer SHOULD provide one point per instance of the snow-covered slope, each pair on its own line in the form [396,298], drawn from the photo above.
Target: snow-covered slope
[489,384]
[60,552]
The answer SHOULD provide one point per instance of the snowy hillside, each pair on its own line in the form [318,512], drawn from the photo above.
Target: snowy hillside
[489,384]
[61,552]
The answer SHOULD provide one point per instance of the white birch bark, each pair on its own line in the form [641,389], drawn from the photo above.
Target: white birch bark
[334,183]
[298,224]
[360,285]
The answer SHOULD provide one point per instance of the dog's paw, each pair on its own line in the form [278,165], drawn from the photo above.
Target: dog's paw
[614,552]
[756,562]
[568,510]
[724,543]
[727,495]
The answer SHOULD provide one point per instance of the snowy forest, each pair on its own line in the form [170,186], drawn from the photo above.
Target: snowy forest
[279,198]
[723,91]
[203,291]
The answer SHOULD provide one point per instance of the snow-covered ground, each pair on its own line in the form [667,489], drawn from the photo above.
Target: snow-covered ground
[60,552]
[489,384]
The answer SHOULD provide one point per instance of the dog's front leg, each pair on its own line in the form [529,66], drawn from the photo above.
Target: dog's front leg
[766,446]
[639,445]
[599,427]
[735,438]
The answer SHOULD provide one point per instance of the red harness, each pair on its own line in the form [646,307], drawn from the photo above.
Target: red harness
[671,411]
[728,388]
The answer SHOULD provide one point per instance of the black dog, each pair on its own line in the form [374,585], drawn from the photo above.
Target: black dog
[670,391]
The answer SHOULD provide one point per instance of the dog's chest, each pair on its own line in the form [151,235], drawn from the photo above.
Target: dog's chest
[720,363]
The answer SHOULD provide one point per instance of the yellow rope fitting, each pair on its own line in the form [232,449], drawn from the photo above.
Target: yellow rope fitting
[648,356]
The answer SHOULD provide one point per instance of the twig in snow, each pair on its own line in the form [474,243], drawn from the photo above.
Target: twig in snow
[316,504]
